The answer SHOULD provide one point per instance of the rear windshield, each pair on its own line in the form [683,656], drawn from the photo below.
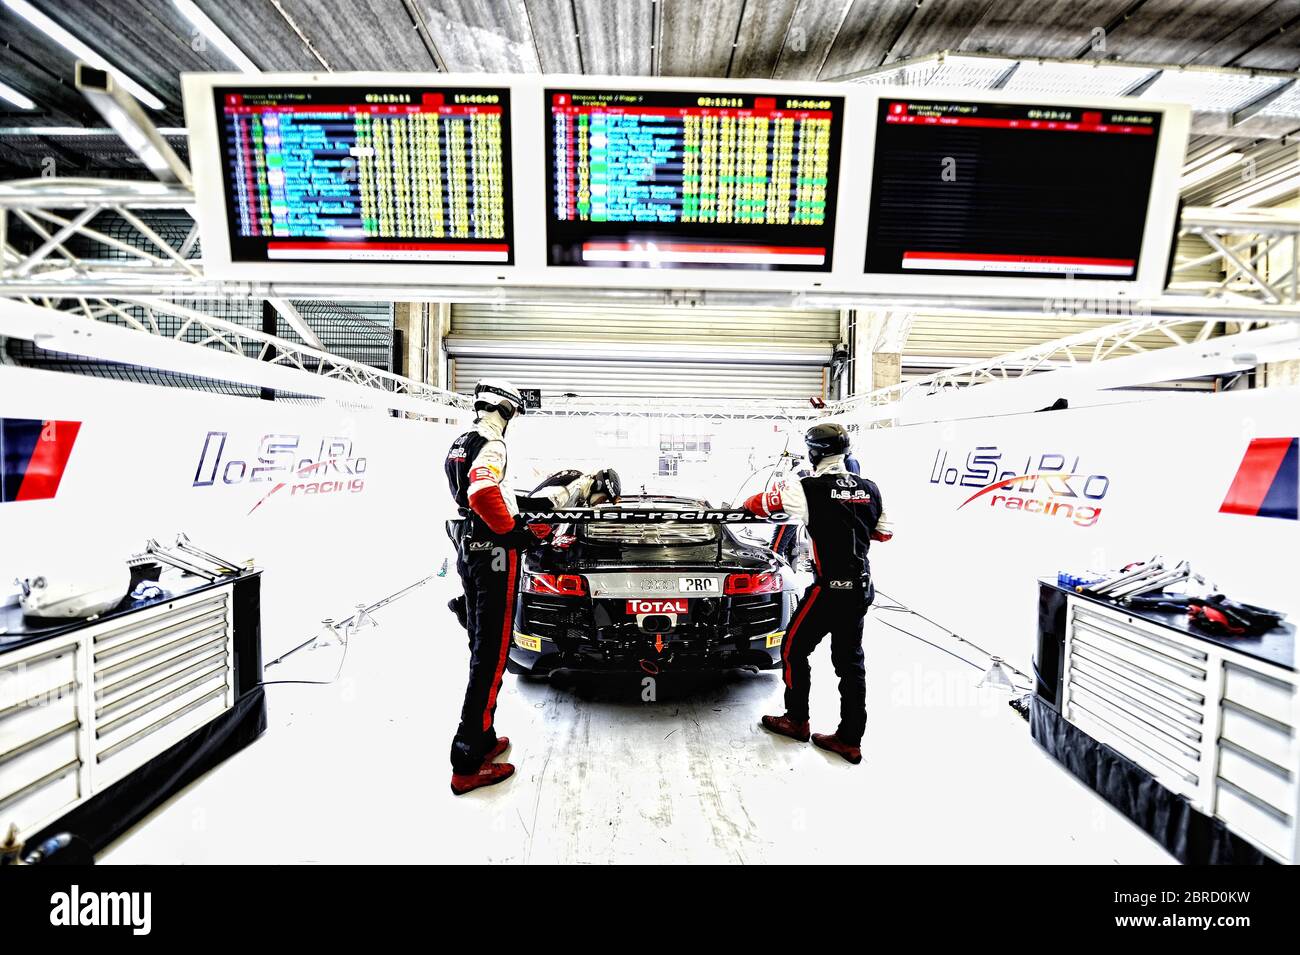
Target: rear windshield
[617,532]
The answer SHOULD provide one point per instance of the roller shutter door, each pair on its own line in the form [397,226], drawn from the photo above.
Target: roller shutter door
[644,351]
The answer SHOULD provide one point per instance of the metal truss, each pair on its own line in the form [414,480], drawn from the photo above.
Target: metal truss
[54,244]
[163,319]
[1258,248]
[713,409]
[1099,344]
[56,252]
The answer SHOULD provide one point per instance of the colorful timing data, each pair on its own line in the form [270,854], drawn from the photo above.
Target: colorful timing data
[994,189]
[391,175]
[669,179]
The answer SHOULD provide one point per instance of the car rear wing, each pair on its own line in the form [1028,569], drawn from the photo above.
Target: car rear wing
[650,515]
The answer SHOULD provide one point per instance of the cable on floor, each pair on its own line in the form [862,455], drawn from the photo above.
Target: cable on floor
[897,606]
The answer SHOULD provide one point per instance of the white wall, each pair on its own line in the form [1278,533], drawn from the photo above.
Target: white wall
[138,470]
[1164,464]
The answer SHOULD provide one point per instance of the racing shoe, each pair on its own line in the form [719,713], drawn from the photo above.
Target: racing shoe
[833,744]
[499,750]
[784,726]
[489,774]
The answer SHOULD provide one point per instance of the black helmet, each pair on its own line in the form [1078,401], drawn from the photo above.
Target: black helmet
[826,439]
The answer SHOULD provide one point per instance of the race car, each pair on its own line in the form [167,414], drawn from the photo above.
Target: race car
[650,597]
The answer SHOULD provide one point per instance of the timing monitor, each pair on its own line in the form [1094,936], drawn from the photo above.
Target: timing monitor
[963,188]
[675,179]
[391,173]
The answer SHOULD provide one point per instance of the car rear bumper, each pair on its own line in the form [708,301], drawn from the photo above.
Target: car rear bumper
[540,655]
[603,634]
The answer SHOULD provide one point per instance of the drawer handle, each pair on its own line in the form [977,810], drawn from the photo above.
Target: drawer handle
[1255,801]
[1265,764]
[52,695]
[215,673]
[1165,723]
[117,747]
[1136,674]
[1099,620]
[1158,657]
[1268,721]
[204,665]
[47,737]
[1184,774]
[208,620]
[39,784]
[1080,663]
[107,689]
[171,618]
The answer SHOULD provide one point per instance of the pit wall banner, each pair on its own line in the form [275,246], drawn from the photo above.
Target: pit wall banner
[985,506]
[337,506]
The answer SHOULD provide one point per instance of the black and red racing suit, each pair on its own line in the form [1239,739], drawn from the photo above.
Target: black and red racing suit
[844,514]
[490,541]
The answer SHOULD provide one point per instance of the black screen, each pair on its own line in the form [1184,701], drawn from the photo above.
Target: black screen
[1009,190]
[691,180]
[389,175]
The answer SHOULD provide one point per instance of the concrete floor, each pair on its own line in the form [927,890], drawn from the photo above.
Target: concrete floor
[358,772]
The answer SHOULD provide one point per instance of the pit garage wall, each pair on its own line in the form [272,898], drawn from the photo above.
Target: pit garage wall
[149,462]
[1159,469]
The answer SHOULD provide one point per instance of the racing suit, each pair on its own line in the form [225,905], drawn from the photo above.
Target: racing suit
[844,514]
[489,544]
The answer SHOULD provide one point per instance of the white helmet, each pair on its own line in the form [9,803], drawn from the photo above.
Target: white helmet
[499,395]
[75,597]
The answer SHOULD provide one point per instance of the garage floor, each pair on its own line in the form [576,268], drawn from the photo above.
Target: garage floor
[357,771]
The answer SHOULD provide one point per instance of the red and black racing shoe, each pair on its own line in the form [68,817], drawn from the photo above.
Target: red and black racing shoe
[833,744]
[489,774]
[499,750]
[784,726]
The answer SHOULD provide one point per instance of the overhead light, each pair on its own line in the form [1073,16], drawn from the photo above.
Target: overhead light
[7,92]
[1268,191]
[81,50]
[1208,156]
[190,10]
[1208,170]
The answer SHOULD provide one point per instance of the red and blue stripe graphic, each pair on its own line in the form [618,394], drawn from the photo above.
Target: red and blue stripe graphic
[1268,481]
[33,457]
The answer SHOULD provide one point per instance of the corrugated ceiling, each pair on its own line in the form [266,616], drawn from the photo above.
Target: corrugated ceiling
[788,39]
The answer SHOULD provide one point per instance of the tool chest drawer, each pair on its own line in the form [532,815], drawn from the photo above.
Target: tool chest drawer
[1260,693]
[1140,693]
[87,706]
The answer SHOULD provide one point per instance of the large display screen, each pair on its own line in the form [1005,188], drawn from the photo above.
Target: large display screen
[995,189]
[668,179]
[392,174]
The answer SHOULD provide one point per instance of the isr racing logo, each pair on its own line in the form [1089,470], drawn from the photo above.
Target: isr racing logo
[1047,485]
[283,461]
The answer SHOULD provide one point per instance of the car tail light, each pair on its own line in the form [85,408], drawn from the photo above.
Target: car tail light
[557,585]
[764,583]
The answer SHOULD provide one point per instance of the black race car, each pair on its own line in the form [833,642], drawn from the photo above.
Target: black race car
[653,597]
